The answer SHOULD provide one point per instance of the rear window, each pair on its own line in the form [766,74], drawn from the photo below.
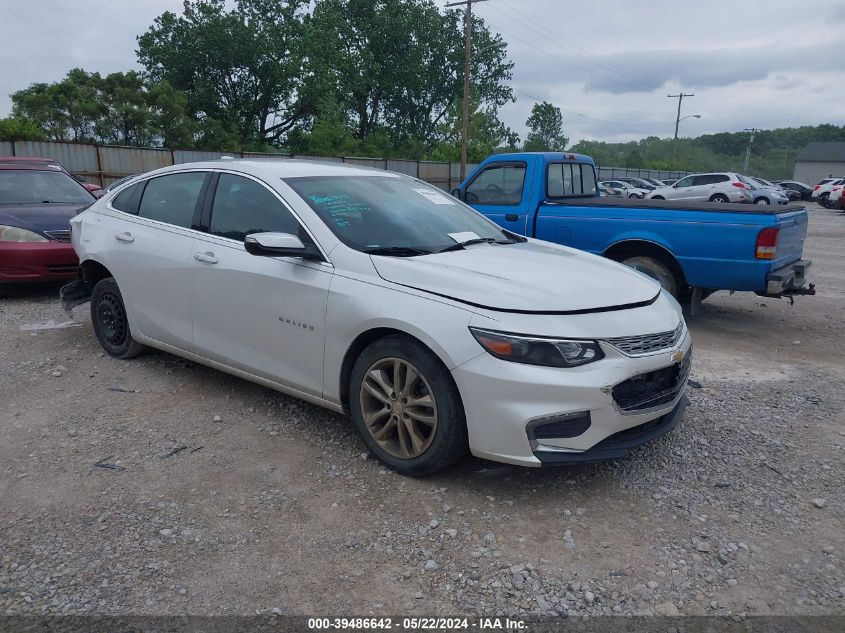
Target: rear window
[564,180]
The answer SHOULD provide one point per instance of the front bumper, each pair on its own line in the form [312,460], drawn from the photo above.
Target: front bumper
[503,401]
[789,280]
[37,261]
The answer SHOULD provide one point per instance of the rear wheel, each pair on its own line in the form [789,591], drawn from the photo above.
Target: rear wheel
[656,270]
[761,201]
[111,325]
[406,407]
[658,198]
[719,197]
[634,195]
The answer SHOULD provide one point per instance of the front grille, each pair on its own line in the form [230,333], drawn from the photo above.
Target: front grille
[653,389]
[59,236]
[648,344]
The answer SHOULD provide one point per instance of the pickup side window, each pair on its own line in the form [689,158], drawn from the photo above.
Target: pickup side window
[499,184]
[564,180]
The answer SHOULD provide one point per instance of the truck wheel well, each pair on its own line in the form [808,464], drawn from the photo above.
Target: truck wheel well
[359,345]
[640,248]
[93,272]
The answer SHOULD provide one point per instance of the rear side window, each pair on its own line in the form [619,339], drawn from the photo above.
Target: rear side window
[172,199]
[126,200]
[570,179]
[243,206]
[497,184]
[710,179]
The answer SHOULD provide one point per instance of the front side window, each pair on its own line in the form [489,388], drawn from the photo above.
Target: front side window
[242,207]
[497,184]
[34,186]
[172,199]
[571,179]
[376,212]
[684,182]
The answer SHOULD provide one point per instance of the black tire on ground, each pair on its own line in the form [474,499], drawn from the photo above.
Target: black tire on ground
[658,198]
[108,315]
[656,270]
[719,197]
[634,195]
[761,201]
[450,442]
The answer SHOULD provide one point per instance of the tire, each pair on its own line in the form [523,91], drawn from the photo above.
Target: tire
[108,315]
[635,195]
[656,270]
[658,198]
[761,201]
[719,197]
[437,446]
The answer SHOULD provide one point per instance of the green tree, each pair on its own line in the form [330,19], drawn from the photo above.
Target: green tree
[16,129]
[397,66]
[244,70]
[545,127]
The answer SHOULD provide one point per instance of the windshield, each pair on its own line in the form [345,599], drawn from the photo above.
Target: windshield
[383,212]
[30,186]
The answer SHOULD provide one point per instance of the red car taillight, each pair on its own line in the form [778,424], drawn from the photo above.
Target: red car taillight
[767,241]
[816,188]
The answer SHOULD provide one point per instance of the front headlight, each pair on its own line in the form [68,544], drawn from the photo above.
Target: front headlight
[532,350]
[17,234]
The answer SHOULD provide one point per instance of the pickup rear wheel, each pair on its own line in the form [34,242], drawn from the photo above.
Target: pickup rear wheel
[111,326]
[406,407]
[656,270]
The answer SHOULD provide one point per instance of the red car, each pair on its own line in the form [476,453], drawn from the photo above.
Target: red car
[40,160]
[37,201]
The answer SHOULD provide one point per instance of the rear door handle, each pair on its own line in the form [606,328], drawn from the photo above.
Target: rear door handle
[511,217]
[124,237]
[207,257]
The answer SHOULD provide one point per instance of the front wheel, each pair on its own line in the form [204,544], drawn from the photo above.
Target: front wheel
[634,195]
[656,270]
[108,315]
[406,407]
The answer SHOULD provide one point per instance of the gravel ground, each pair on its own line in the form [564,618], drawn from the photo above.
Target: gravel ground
[158,486]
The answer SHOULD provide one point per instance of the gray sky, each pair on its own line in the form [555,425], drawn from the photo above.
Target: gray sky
[608,64]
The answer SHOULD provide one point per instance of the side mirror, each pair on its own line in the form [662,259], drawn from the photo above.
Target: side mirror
[457,193]
[279,245]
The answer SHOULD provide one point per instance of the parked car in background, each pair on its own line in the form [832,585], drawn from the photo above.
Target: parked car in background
[53,164]
[628,190]
[764,192]
[610,192]
[117,183]
[656,182]
[793,185]
[833,199]
[715,187]
[668,182]
[639,183]
[821,192]
[375,294]
[37,201]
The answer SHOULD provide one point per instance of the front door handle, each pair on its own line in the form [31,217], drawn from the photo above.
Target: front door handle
[124,237]
[511,217]
[207,257]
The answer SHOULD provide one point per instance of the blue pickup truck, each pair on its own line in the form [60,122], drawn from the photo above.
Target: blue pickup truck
[692,249]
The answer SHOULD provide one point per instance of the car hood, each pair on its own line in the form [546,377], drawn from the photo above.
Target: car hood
[532,277]
[39,217]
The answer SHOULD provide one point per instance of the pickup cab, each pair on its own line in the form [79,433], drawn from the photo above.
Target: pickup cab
[691,248]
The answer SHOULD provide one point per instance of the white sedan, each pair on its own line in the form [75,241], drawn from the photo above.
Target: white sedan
[629,190]
[375,294]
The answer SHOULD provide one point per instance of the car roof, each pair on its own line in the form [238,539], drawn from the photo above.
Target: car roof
[280,168]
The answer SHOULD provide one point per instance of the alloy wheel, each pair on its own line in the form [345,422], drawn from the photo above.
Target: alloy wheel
[398,407]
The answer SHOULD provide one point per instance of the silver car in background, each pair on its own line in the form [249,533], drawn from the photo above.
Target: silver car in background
[711,187]
[764,192]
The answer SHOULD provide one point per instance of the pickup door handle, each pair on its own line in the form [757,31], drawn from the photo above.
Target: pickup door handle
[207,257]
[511,217]
[124,237]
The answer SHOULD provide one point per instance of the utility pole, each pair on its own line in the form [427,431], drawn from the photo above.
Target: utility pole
[467,69]
[748,149]
[680,98]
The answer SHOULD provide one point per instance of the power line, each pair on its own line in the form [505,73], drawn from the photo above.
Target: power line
[753,130]
[680,98]
[587,116]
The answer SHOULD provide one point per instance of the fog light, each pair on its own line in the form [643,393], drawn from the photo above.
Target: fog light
[558,426]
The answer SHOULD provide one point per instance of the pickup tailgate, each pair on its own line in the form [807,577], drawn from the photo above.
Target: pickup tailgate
[791,236]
